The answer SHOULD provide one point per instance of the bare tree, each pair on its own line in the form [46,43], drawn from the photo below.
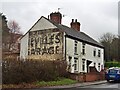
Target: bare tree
[108,41]
[14,27]
[107,37]
[14,32]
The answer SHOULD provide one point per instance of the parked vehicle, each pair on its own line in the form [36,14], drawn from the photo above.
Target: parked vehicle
[113,74]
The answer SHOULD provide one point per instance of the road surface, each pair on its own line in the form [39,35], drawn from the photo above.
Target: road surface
[106,86]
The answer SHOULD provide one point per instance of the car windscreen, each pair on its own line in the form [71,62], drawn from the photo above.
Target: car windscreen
[112,71]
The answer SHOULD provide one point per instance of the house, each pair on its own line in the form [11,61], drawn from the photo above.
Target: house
[10,45]
[48,39]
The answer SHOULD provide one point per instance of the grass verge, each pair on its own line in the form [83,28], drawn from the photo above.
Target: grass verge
[63,81]
[38,84]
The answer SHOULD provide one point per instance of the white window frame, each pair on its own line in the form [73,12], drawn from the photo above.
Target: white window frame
[75,64]
[99,53]
[83,48]
[83,65]
[76,47]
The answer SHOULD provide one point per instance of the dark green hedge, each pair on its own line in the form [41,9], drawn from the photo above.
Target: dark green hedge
[112,64]
[15,72]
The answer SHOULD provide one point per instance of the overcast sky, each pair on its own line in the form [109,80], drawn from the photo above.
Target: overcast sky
[96,16]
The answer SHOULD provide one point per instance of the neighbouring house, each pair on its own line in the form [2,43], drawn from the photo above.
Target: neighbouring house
[10,47]
[49,39]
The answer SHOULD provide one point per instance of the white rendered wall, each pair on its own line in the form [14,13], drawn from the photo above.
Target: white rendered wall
[41,24]
[88,55]
[24,47]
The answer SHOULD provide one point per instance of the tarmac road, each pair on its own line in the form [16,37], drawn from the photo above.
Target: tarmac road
[105,86]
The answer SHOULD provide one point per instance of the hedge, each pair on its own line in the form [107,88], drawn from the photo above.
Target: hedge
[112,64]
[19,71]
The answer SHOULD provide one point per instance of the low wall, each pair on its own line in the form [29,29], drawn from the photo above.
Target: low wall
[88,77]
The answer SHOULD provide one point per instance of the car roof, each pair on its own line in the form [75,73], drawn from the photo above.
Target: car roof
[116,68]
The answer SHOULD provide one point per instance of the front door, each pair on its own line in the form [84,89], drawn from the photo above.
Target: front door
[88,63]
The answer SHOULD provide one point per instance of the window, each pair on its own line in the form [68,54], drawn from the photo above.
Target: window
[75,63]
[99,53]
[99,66]
[94,52]
[69,60]
[83,48]
[69,63]
[94,64]
[75,49]
[83,64]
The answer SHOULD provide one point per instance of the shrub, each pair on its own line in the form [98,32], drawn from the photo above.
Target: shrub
[19,71]
[112,64]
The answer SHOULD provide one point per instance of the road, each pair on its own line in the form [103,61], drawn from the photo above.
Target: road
[106,86]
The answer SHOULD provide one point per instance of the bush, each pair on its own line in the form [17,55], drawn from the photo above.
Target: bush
[112,64]
[19,71]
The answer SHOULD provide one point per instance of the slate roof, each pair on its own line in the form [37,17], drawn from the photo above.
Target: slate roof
[81,36]
[74,34]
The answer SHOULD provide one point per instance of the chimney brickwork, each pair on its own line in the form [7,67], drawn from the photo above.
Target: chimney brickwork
[56,17]
[75,25]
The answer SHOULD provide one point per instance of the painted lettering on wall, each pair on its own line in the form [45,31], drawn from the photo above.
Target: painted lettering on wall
[45,42]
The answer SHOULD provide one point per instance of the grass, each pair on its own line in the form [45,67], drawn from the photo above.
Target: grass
[62,81]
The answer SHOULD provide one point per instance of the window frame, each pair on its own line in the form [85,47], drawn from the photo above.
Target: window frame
[83,48]
[75,64]
[83,65]
[94,52]
[75,47]
[99,53]
[99,66]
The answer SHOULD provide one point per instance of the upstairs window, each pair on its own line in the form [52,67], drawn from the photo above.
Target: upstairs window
[75,49]
[94,64]
[99,53]
[83,48]
[94,52]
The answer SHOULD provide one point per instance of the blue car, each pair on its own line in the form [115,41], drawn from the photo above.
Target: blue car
[112,74]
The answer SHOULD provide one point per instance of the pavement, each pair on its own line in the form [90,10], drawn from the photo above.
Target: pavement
[81,84]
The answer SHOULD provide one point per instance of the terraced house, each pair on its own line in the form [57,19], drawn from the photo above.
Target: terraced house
[48,39]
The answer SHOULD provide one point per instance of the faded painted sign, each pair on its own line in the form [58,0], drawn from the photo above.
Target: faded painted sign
[45,42]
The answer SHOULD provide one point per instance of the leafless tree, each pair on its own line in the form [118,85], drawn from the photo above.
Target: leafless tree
[107,37]
[14,32]
[109,41]
[14,27]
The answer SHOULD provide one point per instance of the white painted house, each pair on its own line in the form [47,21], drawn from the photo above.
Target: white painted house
[48,39]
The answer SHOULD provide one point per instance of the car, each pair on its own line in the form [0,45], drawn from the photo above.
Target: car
[113,74]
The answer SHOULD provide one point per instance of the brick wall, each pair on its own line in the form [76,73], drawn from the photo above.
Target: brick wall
[89,77]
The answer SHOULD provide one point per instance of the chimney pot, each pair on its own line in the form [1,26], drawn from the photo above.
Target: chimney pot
[72,20]
[75,20]
[48,16]
[75,25]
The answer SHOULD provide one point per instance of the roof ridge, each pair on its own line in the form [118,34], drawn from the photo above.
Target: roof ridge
[71,31]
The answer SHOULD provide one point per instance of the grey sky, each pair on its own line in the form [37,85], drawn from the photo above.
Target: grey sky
[96,16]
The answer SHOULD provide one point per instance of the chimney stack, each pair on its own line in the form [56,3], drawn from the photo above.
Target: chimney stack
[56,17]
[75,25]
